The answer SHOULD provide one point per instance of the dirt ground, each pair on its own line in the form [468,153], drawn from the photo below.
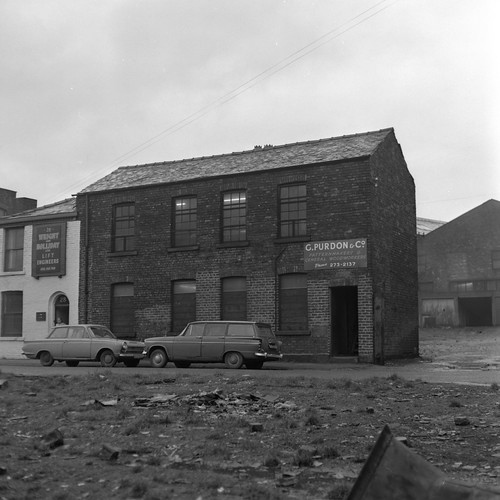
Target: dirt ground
[183,436]
[475,348]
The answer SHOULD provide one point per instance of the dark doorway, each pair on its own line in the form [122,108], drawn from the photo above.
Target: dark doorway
[344,310]
[475,311]
[61,310]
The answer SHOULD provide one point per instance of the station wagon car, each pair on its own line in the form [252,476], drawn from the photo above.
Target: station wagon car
[235,343]
[75,343]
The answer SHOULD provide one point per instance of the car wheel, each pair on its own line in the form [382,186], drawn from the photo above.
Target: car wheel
[46,358]
[107,359]
[72,363]
[254,365]
[158,358]
[233,360]
[182,364]
[131,363]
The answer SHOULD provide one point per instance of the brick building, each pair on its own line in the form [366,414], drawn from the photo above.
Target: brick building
[11,204]
[39,259]
[459,270]
[317,238]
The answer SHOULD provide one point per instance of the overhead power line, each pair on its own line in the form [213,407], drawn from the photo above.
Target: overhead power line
[249,84]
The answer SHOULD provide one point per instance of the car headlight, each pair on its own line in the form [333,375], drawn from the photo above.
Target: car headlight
[124,347]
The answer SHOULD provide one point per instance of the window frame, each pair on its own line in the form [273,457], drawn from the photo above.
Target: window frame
[296,226]
[127,236]
[11,317]
[234,216]
[13,249]
[185,232]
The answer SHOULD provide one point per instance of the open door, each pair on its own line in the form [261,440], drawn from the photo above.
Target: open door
[344,321]
[61,310]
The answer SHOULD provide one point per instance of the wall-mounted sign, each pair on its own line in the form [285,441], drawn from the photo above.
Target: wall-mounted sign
[335,254]
[41,316]
[49,250]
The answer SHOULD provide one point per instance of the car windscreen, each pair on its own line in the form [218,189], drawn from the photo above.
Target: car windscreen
[101,332]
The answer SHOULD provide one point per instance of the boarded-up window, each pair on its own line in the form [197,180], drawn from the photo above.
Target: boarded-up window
[293,302]
[183,304]
[123,310]
[234,299]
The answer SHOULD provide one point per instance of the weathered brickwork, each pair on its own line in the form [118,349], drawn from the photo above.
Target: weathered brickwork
[367,197]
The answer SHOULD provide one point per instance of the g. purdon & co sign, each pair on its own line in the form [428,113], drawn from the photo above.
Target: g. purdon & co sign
[335,254]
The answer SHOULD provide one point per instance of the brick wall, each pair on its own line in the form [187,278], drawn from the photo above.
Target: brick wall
[342,204]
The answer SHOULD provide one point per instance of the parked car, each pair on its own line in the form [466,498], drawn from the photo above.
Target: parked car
[232,342]
[75,343]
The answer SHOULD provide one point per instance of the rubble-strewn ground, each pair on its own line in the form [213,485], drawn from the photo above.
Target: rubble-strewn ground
[183,436]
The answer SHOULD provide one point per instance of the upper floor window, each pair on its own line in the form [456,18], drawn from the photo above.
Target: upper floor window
[234,216]
[185,221]
[14,249]
[293,205]
[124,227]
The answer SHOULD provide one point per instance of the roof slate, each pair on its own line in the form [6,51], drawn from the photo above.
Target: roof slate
[259,159]
[65,207]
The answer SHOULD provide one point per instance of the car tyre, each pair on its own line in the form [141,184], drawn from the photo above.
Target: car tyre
[131,363]
[107,358]
[46,358]
[254,364]
[158,358]
[233,360]
[182,364]
[72,363]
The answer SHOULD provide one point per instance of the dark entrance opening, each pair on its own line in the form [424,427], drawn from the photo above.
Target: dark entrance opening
[475,311]
[61,310]
[344,310]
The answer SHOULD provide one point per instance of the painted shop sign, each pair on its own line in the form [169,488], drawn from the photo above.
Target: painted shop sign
[335,254]
[49,250]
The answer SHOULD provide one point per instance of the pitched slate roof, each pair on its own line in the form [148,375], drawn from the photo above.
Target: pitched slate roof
[259,159]
[64,208]
[425,226]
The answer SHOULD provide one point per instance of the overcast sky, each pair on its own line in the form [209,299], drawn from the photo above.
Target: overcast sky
[87,86]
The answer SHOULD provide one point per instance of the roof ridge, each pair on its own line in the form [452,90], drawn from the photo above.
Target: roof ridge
[258,149]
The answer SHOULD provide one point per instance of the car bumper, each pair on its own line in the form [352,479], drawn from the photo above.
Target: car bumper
[131,355]
[29,355]
[269,356]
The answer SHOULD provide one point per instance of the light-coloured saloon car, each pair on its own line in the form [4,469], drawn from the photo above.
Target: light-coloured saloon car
[75,343]
[235,343]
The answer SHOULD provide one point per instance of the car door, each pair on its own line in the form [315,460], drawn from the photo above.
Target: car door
[55,341]
[187,345]
[77,344]
[212,346]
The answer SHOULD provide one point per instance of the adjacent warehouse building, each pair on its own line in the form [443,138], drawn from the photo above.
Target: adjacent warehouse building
[317,238]
[459,270]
